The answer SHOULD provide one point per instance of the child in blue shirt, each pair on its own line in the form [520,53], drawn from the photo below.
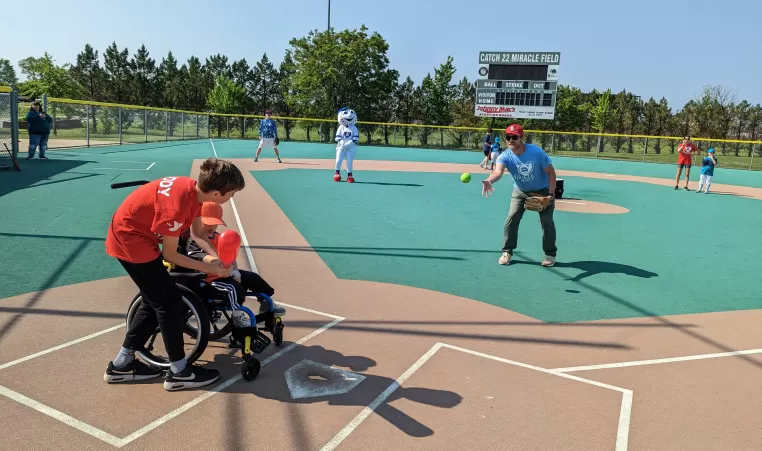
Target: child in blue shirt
[496,151]
[707,171]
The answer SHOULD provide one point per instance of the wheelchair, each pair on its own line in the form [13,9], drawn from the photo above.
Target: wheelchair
[204,307]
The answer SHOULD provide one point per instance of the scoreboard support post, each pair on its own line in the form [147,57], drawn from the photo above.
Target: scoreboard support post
[520,85]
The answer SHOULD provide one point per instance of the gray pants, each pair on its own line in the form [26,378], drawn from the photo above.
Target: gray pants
[516,212]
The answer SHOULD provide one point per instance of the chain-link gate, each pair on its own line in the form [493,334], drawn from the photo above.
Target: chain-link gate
[9,133]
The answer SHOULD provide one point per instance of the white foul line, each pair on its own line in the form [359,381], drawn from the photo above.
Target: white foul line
[569,202]
[244,240]
[655,361]
[194,402]
[625,410]
[149,167]
[213,149]
[62,417]
[59,347]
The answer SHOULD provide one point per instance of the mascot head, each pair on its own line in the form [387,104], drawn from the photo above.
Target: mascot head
[347,117]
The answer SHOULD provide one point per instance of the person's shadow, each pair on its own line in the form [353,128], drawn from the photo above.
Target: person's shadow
[592,268]
[271,384]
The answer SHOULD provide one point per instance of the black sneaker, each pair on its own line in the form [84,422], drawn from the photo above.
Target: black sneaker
[133,371]
[194,376]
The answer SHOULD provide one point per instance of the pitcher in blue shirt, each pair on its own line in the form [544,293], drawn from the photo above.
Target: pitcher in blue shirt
[268,136]
[532,172]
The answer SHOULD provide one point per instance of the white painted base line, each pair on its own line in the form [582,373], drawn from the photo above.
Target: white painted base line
[120,442]
[624,413]
[150,163]
[570,202]
[59,347]
[688,358]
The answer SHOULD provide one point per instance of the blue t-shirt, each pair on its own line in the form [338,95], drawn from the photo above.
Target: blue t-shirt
[487,141]
[527,169]
[496,148]
[707,166]
[268,128]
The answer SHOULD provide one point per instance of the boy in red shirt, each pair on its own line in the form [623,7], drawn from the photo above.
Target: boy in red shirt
[159,212]
[685,152]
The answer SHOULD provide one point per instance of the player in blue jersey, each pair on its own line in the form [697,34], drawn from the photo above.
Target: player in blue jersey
[707,171]
[268,136]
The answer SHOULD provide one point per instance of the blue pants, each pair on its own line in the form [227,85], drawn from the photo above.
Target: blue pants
[38,140]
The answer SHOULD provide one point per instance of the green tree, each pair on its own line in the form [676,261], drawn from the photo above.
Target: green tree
[226,97]
[118,74]
[89,73]
[571,113]
[285,99]
[332,70]
[406,106]
[463,114]
[7,73]
[442,95]
[143,78]
[45,77]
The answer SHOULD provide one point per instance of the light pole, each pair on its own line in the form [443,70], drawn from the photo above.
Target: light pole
[329,15]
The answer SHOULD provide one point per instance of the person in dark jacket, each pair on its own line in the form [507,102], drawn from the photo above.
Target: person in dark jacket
[38,125]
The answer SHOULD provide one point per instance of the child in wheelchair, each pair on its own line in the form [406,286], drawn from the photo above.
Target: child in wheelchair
[242,281]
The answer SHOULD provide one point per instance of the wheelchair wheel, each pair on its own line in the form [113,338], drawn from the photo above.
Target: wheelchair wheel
[194,309]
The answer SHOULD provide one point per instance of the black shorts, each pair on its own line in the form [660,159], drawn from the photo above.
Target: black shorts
[683,165]
[487,152]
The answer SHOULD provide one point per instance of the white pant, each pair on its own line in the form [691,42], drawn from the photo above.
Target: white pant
[705,180]
[349,154]
[267,143]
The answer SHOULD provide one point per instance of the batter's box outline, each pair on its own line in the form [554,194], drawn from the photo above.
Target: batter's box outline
[121,442]
[149,163]
[623,428]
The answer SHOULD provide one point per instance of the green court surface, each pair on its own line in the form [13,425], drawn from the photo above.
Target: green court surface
[680,253]
[441,235]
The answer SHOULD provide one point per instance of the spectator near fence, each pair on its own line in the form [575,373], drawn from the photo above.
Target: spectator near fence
[38,126]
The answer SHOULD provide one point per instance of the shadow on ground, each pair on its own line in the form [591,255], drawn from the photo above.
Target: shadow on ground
[271,384]
[35,171]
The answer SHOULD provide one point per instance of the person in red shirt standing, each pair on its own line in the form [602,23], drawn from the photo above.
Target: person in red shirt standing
[158,213]
[685,152]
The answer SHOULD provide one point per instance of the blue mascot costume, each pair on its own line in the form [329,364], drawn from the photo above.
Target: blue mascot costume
[347,138]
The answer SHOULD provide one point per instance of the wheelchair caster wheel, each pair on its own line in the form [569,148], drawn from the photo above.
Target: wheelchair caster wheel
[278,334]
[250,369]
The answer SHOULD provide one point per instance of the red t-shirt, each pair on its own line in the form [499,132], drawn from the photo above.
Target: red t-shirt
[164,207]
[685,151]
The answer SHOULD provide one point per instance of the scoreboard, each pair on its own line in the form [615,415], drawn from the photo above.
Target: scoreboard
[518,85]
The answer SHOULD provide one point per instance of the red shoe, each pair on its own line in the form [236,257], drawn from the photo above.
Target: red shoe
[336,177]
[350,179]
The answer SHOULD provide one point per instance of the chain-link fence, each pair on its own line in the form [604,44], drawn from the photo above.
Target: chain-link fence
[648,149]
[9,127]
[87,124]
[81,124]
[6,134]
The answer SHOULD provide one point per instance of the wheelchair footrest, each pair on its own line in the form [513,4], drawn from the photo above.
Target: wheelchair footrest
[259,341]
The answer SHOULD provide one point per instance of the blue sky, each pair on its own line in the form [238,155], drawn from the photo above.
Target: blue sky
[667,48]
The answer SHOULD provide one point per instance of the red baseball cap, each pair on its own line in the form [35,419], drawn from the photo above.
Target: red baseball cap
[514,129]
[211,214]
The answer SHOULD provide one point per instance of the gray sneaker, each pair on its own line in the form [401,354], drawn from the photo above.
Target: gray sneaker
[277,309]
[549,260]
[505,258]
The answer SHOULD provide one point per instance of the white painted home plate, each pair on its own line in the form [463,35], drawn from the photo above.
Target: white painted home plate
[308,379]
